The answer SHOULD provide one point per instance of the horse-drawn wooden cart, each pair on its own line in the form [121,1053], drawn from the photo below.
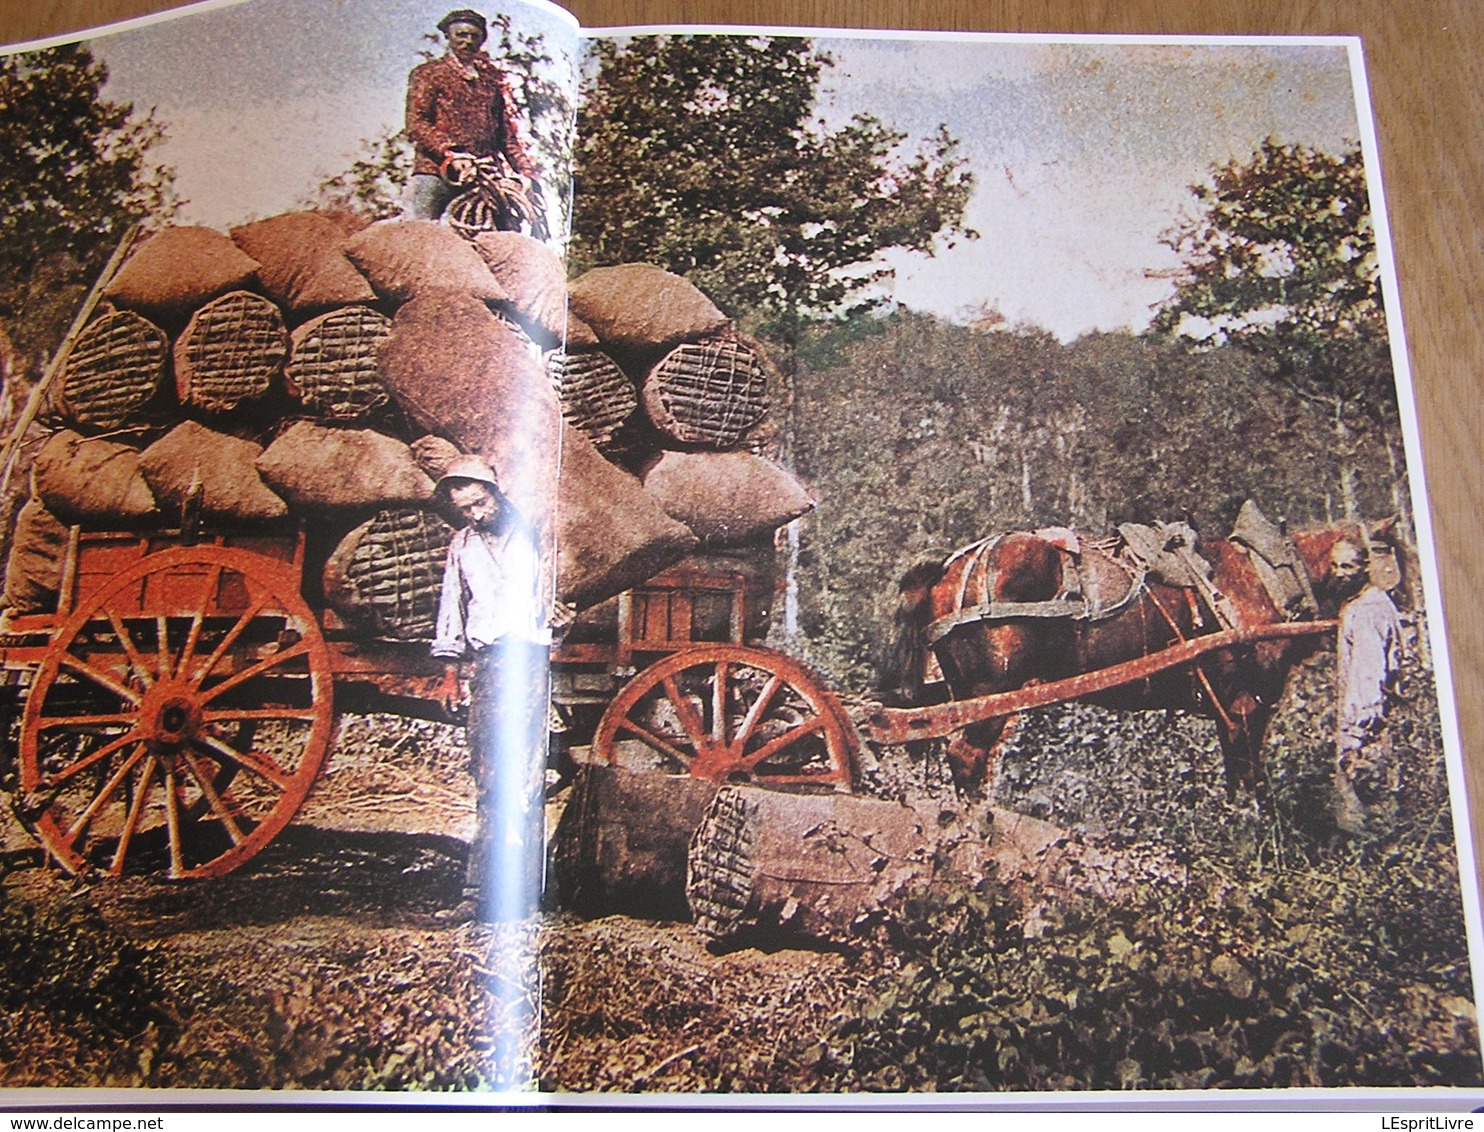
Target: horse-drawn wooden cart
[173,712]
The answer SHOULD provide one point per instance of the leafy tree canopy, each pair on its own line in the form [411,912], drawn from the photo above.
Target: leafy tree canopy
[76,175]
[1279,256]
[699,154]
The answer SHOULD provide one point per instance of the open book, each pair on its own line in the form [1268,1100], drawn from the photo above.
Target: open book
[565,563]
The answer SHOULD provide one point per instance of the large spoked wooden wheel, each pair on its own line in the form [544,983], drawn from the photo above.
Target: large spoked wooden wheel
[179,719]
[730,713]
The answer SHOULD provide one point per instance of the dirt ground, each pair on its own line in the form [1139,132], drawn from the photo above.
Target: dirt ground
[326,964]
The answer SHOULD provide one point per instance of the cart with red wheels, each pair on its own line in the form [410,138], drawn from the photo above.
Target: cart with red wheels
[177,706]
[683,692]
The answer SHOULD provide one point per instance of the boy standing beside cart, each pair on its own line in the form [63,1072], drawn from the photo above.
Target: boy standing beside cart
[494,615]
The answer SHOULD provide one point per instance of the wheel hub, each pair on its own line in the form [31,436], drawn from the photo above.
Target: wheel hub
[171,715]
[716,763]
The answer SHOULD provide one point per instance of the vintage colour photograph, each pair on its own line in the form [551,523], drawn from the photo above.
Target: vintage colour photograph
[544,565]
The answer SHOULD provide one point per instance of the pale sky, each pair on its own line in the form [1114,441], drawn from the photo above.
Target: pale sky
[1083,151]
[1084,154]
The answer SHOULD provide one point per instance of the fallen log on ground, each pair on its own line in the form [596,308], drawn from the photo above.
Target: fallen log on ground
[621,844]
[816,865]
[840,868]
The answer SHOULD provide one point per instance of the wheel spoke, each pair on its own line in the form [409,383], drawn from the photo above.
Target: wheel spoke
[136,811]
[115,718]
[102,679]
[756,711]
[810,726]
[198,619]
[213,799]
[260,764]
[90,759]
[685,712]
[295,650]
[719,705]
[657,742]
[229,640]
[109,789]
[136,660]
[172,823]
[235,715]
[162,646]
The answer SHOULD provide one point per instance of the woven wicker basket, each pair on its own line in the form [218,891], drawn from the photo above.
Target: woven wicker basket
[114,369]
[597,396]
[389,572]
[332,370]
[230,352]
[708,394]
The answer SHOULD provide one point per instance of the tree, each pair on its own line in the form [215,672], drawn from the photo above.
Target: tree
[698,154]
[77,173]
[1280,258]
[374,184]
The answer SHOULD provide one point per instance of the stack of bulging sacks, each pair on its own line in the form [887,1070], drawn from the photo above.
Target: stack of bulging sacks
[310,368]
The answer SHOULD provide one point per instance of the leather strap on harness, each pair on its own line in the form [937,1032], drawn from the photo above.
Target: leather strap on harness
[1072,603]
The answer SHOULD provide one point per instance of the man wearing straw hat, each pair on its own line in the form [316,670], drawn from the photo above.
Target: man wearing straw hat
[494,614]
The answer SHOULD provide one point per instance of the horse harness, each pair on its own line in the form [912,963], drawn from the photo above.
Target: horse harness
[1164,551]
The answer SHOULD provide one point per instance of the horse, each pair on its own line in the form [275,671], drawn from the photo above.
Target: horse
[1037,606]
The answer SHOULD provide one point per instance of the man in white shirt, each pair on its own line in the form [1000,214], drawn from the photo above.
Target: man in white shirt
[1368,658]
[494,613]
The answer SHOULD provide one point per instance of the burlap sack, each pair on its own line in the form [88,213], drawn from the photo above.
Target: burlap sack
[192,458]
[726,497]
[637,306]
[433,455]
[179,269]
[33,572]
[531,274]
[300,262]
[92,482]
[578,335]
[338,468]
[386,576]
[610,535]
[406,258]
[458,371]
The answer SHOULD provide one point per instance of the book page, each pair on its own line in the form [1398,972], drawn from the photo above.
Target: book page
[1118,590]
[278,492]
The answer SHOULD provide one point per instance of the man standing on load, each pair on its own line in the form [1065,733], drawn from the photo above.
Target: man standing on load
[459,109]
[493,613]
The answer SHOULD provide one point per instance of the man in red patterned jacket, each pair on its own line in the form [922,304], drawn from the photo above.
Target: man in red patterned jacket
[459,108]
